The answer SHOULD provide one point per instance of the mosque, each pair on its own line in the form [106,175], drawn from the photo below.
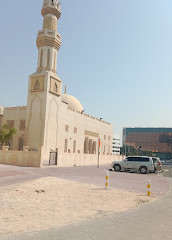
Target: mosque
[55,123]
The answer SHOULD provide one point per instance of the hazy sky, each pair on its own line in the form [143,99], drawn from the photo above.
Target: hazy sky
[116,57]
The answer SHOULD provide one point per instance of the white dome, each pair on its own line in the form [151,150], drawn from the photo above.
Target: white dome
[72,102]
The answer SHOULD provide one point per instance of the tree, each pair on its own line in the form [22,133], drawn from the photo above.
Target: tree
[131,151]
[6,134]
[128,151]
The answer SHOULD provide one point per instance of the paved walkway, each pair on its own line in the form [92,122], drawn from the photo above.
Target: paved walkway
[151,221]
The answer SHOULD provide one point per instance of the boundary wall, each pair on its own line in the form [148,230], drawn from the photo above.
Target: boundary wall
[70,160]
[23,158]
[27,158]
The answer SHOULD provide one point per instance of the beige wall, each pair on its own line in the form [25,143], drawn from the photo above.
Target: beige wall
[20,158]
[70,160]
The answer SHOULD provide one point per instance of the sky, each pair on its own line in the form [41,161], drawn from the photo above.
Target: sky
[115,57]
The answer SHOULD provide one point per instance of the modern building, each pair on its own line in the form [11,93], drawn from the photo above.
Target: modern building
[116,145]
[53,121]
[156,140]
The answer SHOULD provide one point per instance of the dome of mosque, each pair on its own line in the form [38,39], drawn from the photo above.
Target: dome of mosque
[72,102]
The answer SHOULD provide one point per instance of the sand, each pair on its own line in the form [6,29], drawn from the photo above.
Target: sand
[52,202]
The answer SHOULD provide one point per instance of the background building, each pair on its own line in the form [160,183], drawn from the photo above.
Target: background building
[116,145]
[155,140]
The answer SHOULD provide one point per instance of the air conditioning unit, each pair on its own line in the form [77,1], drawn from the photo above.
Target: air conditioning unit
[1,110]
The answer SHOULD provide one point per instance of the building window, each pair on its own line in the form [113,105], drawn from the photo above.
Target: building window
[74,146]
[65,145]
[108,150]
[10,123]
[75,130]
[55,88]
[22,125]
[37,86]
[104,137]
[109,138]
[66,128]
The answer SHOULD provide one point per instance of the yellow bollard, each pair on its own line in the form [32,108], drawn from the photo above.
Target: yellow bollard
[107,180]
[149,188]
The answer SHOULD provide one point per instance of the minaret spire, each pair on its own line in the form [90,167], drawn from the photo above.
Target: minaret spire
[48,40]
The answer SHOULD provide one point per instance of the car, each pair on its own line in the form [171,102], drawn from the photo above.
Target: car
[157,164]
[166,162]
[143,164]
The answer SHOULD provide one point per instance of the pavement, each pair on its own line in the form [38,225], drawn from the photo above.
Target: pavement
[149,221]
[92,175]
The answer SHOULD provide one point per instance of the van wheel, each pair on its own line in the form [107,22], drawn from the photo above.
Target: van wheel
[143,170]
[117,167]
[153,170]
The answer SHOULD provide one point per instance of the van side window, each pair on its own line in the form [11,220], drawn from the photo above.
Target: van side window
[132,159]
[145,159]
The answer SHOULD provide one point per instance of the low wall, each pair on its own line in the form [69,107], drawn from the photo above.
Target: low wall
[27,158]
[20,158]
[69,160]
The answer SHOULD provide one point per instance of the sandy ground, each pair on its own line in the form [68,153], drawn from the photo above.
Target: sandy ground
[53,202]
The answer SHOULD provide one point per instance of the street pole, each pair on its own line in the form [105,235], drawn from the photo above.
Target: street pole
[98,153]
[125,151]
[98,158]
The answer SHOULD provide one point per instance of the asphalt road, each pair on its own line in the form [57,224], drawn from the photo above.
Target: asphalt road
[92,175]
[167,171]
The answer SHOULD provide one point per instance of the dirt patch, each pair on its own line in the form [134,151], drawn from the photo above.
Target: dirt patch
[51,202]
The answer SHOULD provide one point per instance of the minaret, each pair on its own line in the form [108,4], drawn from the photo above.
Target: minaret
[48,40]
[45,87]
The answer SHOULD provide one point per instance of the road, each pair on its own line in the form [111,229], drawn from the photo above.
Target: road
[92,175]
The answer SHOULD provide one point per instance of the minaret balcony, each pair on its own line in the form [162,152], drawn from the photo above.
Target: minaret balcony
[48,38]
[52,8]
[49,33]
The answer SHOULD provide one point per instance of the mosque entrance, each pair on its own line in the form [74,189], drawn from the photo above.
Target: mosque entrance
[53,158]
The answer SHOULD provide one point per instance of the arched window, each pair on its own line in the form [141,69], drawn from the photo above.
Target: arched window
[55,88]
[37,85]
[48,58]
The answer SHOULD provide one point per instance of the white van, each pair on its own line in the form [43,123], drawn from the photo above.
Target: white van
[141,163]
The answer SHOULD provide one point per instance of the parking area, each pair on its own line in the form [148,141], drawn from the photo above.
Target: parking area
[134,182]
